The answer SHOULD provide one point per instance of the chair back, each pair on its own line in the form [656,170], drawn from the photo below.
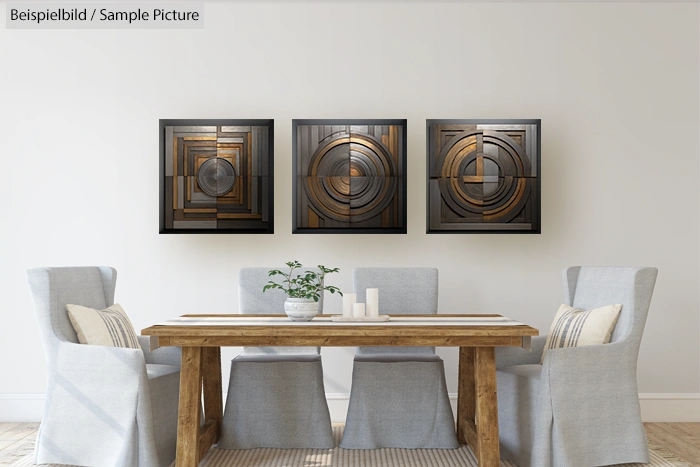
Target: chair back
[402,291]
[588,287]
[54,288]
[253,301]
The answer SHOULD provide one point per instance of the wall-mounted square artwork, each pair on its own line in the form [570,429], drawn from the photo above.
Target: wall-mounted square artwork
[216,176]
[349,176]
[483,176]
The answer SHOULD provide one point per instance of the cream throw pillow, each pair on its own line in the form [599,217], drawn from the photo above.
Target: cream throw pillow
[576,328]
[110,327]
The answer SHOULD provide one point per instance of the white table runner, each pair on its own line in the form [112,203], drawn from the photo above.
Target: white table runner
[325,320]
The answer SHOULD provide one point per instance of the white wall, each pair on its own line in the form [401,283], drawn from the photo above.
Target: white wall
[615,84]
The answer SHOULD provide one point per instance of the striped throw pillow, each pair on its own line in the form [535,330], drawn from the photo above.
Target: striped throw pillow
[110,327]
[576,328]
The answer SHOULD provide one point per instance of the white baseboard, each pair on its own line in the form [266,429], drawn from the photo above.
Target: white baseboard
[672,407]
[656,407]
[21,407]
[338,406]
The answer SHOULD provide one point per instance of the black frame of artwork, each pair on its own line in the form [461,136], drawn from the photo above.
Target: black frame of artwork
[269,123]
[403,210]
[537,203]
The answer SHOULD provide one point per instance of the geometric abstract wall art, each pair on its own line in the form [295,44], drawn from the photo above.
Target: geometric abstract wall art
[216,176]
[349,176]
[483,176]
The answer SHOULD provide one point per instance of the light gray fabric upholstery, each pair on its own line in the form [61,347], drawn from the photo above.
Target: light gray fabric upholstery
[580,408]
[399,396]
[252,301]
[402,291]
[251,298]
[162,355]
[277,403]
[388,358]
[276,397]
[164,389]
[508,356]
[260,358]
[399,404]
[517,391]
[104,405]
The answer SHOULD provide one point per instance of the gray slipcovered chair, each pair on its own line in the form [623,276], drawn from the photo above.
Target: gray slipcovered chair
[399,396]
[276,396]
[580,408]
[105,406]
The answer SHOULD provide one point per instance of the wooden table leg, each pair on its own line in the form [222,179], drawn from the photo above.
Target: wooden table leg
[213,401]
[477,405]
[487,408]
[466,398]
[188,433]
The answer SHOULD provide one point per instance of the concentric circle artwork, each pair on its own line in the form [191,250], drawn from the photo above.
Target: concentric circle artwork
[483,177]
[350,176]
[216,176]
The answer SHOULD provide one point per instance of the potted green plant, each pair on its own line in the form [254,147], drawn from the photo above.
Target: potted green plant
[303,289]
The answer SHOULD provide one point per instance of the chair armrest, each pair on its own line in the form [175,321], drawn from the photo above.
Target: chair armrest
[99,380]
[102,389]
[607,365]
[509,356]
[97,365]
[162,355]
[593,388]
[590,391]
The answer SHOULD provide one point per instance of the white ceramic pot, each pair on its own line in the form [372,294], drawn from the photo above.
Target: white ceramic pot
[301,309]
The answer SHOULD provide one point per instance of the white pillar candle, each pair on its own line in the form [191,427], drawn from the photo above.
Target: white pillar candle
[349,299]
[358,310]
[372,303]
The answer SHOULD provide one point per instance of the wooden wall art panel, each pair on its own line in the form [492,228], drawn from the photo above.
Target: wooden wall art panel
[483,176]
[216,176]
[349,176]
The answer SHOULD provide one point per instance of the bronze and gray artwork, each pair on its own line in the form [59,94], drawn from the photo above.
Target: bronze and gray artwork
[216,176]
[483,176]
[349,176]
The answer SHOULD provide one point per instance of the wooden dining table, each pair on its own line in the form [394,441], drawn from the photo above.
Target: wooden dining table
[202,336]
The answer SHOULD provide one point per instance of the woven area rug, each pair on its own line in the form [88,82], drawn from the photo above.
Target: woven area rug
[462,457]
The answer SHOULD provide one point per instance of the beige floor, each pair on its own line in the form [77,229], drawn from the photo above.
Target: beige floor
[681,439]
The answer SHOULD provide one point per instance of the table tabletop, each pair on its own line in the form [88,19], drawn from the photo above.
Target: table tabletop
[442,330]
